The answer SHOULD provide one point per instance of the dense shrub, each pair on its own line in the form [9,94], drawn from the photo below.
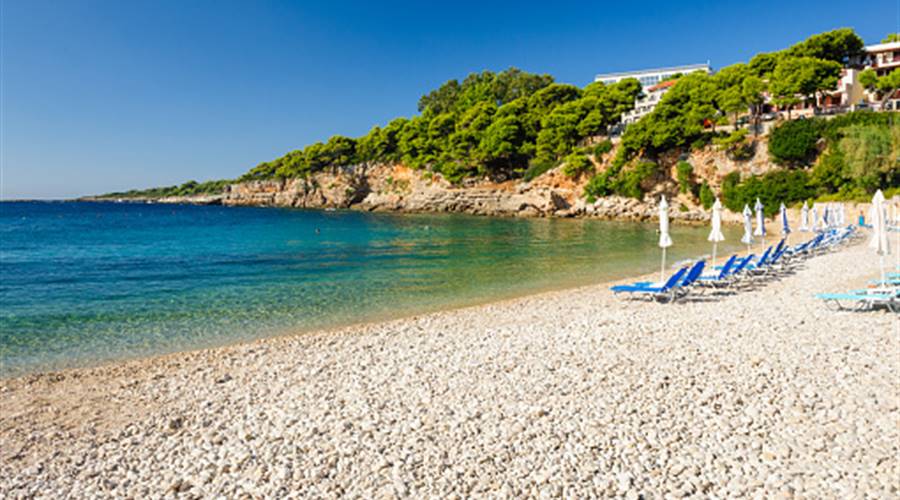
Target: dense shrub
[576,164]
[598,186]
[727,142]
[794,142]
[629,181]
[536,167]
[701,142]
[773,188]
[707,197]
[684,172]
[602,148]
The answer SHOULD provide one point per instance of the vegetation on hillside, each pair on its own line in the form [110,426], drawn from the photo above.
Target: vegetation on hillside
[861,153]
[514,124]
[189,188]
[499,125]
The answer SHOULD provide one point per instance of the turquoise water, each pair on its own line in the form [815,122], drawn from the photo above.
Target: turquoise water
[82,283]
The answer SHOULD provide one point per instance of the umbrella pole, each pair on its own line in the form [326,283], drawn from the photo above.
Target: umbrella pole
[662,268]
[883,276]
[712,262]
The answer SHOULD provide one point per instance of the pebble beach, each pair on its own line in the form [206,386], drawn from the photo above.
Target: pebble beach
[575,393]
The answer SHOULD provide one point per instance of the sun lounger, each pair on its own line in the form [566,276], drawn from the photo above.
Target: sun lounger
[664,291]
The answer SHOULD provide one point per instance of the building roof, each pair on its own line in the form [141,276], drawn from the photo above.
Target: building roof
[881,47]
[662,85]
[674,69]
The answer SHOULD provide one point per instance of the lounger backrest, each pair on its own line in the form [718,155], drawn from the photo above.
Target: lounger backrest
[765,258]
[675,278]
[777,256]
[743,263]
[727,267]
[780,246]
[693,274]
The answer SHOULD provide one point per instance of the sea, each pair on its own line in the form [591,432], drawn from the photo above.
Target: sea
[84,283]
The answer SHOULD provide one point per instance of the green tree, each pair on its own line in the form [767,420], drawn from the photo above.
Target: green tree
[762,65]
[802,77]
[868,79]
[891,37]
[838,46]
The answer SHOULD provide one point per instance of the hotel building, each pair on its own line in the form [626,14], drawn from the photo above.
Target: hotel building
[651,77]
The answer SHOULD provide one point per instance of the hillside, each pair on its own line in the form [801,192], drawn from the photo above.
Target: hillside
[519,143]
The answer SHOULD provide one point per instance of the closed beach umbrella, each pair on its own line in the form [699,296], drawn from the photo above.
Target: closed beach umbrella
[715,234]
[804,218]
[747,239]
[760,222]
[665,241]
[785,227]
[879,241]
[897,231]
[825,215]
[814,217]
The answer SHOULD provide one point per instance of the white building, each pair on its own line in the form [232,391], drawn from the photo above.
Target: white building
[883,57]
[645,103]
[651,77]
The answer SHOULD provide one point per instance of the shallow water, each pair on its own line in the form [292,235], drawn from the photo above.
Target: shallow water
[82,283]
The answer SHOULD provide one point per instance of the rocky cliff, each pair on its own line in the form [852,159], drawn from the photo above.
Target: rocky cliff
[396,188]
[380,187]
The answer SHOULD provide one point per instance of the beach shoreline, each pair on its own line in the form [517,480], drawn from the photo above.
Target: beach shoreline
[513,362]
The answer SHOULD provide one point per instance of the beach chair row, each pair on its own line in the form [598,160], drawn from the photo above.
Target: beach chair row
[737,271]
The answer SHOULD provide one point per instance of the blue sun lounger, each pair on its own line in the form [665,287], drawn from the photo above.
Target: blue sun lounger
[664,291]
[721,274]
[753,268]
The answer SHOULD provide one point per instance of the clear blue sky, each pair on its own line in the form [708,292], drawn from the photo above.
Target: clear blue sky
[110,95]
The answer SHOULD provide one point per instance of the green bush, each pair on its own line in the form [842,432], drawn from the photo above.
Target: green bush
[794,142]
[602,148]
[576,164]
[701,142]
[598,186]
[535,168]
[707,197]
[684,171]
[773,188]
[730,197]
[629,181]
[731,140]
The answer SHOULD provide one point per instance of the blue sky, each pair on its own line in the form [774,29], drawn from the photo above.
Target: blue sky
[100,96]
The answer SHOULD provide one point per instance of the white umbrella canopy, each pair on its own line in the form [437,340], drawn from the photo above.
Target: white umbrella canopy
[715,233]
[760,222]
[804,218]
[879,242]
[785,227]
[665,241]
[824,221]
[747,239]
